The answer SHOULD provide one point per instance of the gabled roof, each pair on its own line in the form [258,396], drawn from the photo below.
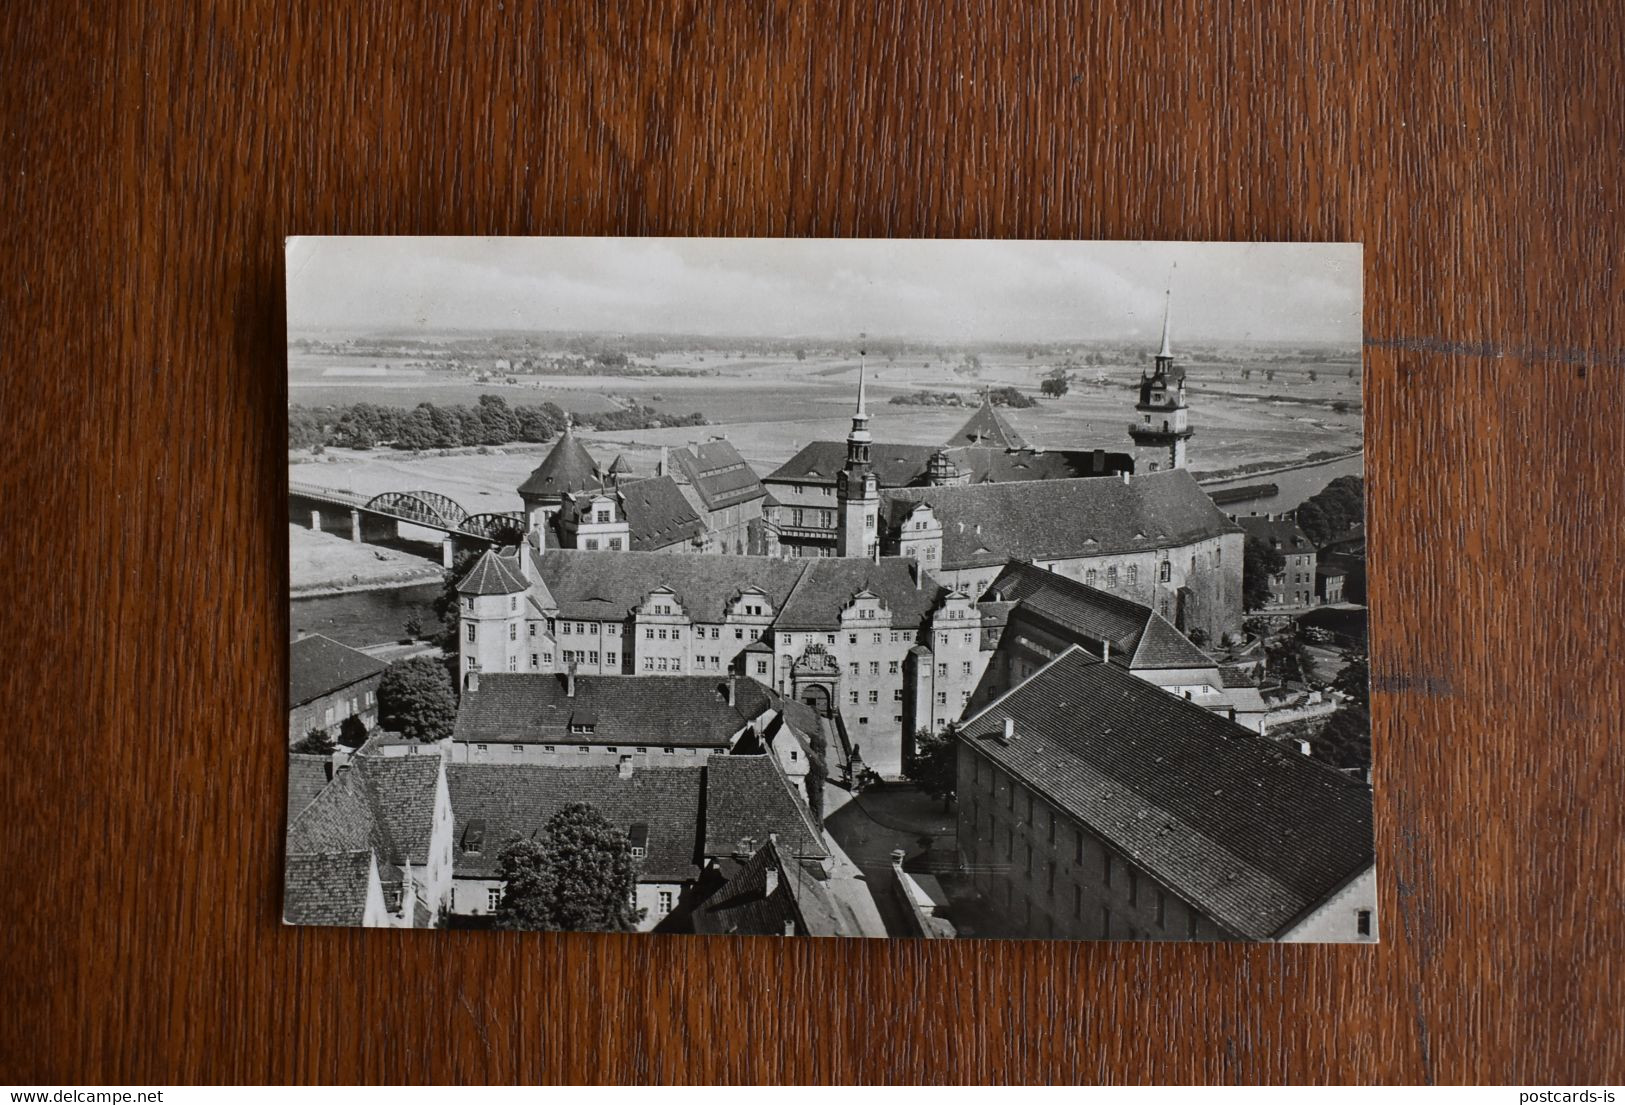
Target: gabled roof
[381,803]
[768,893]
[319,665]
[567,469]
[1163,646]
[599,586]
[908,465]
[492,574]
[991,523]
[1250,833]
[1087,611]
[988,427]
[746,799]
[308,773]
[720,475]
[1280,533]
[518,799]
[687,711]
[327,889]
[828,585]
[657,515]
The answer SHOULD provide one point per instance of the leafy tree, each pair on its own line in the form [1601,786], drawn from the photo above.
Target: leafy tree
[1346,740]
[413,626]
[316,743]
[1055,385]
[353,732]
[1333,510]
[935,764]
[1259,562]
[1289,660]
[415,699]
[1354,681]
[576,876]
[528,886]
[801,354]
[1010,397]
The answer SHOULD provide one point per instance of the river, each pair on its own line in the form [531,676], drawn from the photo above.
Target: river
[362,618]
[1295,485]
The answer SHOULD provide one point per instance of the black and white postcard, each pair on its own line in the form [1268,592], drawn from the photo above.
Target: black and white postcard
[930,589]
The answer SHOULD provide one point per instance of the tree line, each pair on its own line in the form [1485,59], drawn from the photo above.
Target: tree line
[491,421]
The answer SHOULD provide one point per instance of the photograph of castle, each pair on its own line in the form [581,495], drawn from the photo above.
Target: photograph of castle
[823,587]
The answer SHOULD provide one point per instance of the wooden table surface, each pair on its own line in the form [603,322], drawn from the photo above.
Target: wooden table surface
[154,156]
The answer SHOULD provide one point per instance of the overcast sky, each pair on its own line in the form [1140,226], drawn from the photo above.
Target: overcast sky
[960,290]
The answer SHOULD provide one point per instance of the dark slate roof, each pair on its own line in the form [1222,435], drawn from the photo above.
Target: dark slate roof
[657,514]
[319,665]
[988,427]
[609,585]
[567,468]
[747,798]
[828,584]
[380,803]
[1249,832]
[991,523]
[307,775]
[720,475]
[1163,646]
[329,889]
[744,905]
[906,465]
[492,575]
[620,466]
[1068,604]
[518,799]
[1281,533]
[688,711]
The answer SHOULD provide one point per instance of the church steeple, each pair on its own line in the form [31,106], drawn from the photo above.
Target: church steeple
[856,492]
[1163,426]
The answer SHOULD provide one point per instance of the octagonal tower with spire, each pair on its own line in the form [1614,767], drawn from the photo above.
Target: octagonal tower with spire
[1163,423]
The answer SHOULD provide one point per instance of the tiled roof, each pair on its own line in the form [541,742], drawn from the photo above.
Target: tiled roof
[307,775]
[657,514]
[747,798]
[744,905]
[1163,646]
[688,711]
[1282,533]
[492,575]
[319,665]
[906,465]
[1249,832]
[828,584]
[988,427]
[1086,610]
[518,799]
[719,474]
[609,585]
[328,889]
[990,523]
[567,468]
[381,803]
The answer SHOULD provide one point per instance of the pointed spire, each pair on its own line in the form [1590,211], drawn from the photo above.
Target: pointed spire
[1167,351]
[862,372]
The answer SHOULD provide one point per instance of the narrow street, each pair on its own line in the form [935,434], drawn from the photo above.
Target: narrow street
[884,818]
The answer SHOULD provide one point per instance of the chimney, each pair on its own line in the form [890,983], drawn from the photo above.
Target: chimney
[1125,475]
[527,566]
[877,552]
[1105,651]
[665,461]
[746,848]
[570,681]
[1009,730]
[727,690]
[624,767]
[978,528]
[771,877]
[471,682]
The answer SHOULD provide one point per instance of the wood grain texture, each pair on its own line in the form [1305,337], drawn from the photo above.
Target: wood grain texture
[154,156]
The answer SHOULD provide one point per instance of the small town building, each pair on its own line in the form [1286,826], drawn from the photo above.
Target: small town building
[1295,586]
[329,682]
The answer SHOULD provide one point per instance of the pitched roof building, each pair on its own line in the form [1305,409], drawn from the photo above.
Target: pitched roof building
[1131,813]
[329,682]
[988,427]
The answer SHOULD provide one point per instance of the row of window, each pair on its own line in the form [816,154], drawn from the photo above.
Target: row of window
[519,749]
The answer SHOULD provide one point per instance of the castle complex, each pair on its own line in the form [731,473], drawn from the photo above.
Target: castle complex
[872,607]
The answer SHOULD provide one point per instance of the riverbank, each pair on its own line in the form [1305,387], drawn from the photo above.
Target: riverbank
[329,590]
[1244,472]
[327,564]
